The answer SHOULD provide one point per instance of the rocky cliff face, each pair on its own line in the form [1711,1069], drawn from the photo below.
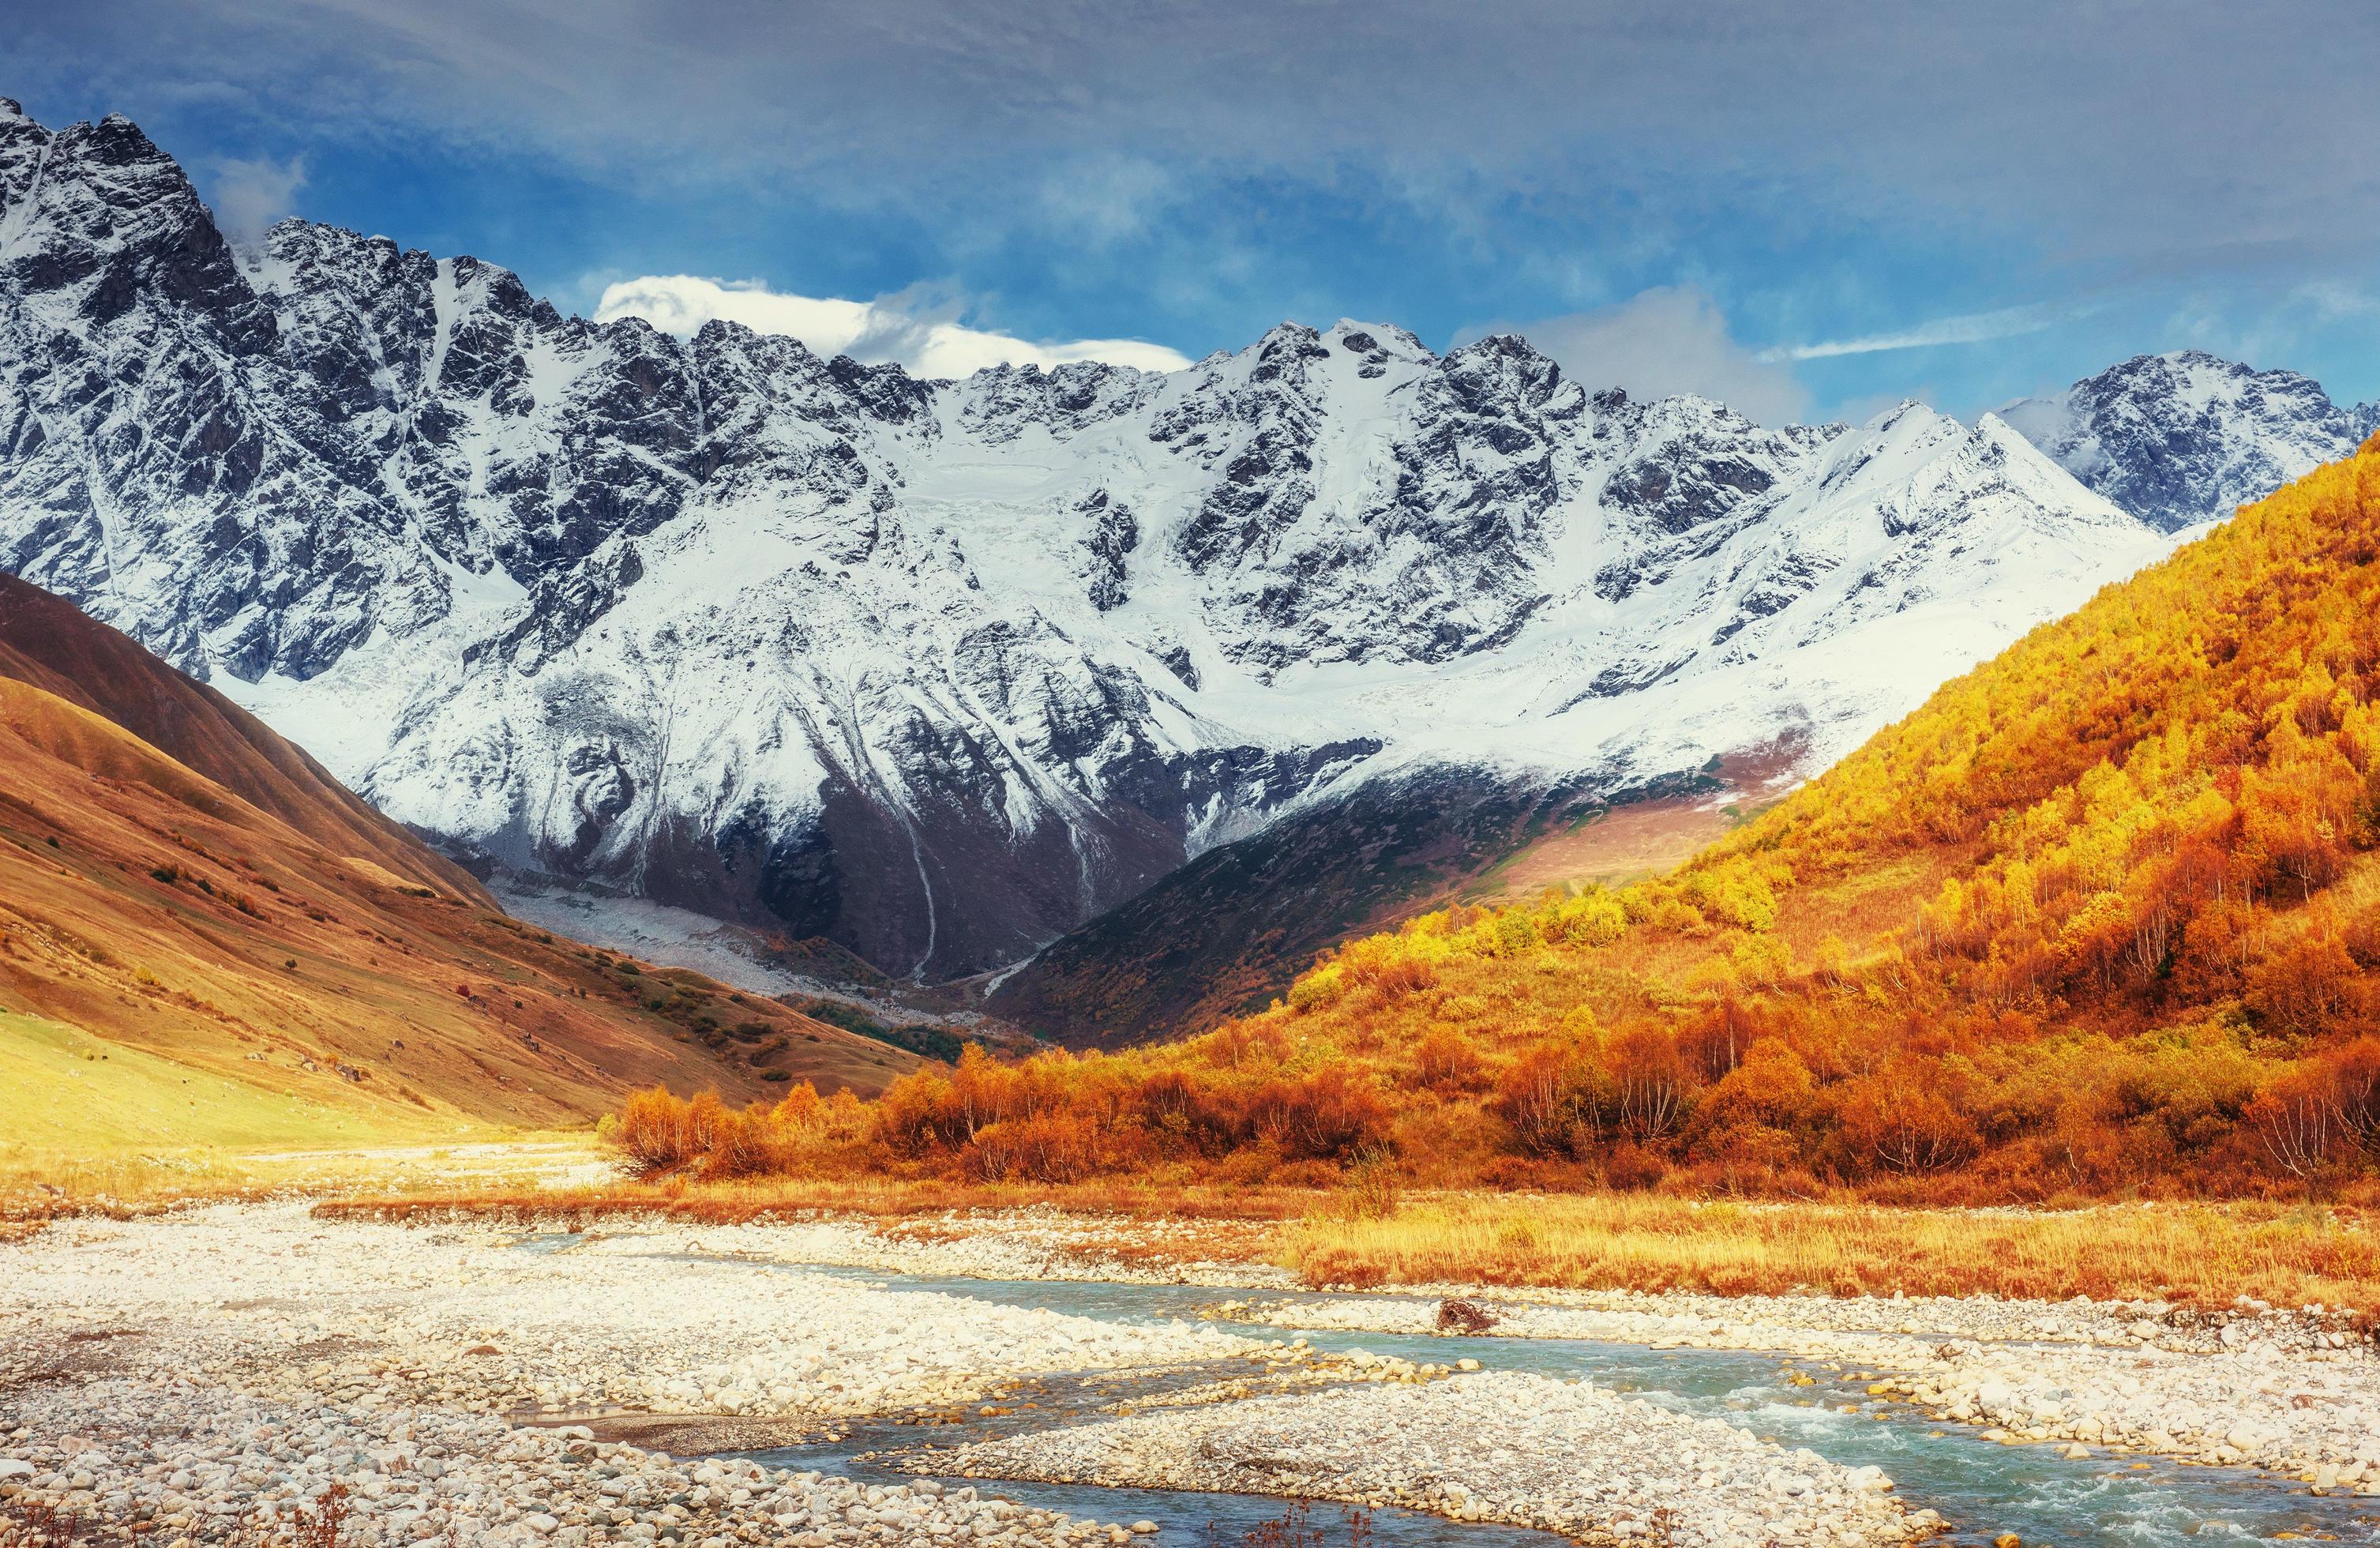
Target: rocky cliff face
[942,670]
[2186,438]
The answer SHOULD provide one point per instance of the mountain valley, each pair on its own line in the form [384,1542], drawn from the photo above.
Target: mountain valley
[1037,678]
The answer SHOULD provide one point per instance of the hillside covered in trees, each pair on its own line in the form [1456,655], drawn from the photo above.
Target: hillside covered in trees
[2103,918]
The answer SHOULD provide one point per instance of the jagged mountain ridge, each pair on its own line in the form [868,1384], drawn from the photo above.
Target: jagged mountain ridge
[940,670]
[2186,436]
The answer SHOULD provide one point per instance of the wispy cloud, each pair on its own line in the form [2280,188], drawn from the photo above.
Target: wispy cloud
[917,328]
[251,194]
[1974,327]
[1673,339]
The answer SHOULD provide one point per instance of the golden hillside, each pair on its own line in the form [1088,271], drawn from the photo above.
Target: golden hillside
[203,937]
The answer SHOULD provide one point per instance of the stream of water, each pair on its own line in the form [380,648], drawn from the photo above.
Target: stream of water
[1981,1488]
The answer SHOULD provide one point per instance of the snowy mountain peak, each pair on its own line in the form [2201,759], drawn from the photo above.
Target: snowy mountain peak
[942,669]
[1379,340]
[2186,436]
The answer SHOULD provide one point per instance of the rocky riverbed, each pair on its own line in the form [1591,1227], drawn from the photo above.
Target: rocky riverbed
[187,1462]
[460,1316]
[1566,1457]
[2291,1392]
[240,1371]
[201,1375]
[2312,1415]
[1802,1323]
[196,1376]
[1006,1244]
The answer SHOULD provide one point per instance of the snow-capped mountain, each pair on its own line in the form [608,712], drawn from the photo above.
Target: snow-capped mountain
[2186,438]
[940,670]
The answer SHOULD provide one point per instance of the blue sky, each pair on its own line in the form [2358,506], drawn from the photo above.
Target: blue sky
[1806,210]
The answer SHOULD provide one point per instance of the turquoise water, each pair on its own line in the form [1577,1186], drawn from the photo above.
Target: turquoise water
[1982,1488]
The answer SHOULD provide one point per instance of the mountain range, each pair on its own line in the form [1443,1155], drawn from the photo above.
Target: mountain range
[1087,681]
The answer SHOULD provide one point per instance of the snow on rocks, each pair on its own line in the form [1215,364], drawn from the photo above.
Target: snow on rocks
[2185,437]
[1523,1450]
[466,548]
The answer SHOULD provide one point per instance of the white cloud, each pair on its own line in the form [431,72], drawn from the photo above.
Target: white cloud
[251,195]
[1667,341]
[1974,327]
[913,327]
[1105,199]
[2333,302]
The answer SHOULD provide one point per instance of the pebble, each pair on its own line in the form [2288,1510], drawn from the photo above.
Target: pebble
[2310,1414]
[182,1463]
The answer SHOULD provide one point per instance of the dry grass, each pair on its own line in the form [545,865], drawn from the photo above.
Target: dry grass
[2205,1254]
[38,1184]
[2196,1254]
[742,1200]
[45,1182]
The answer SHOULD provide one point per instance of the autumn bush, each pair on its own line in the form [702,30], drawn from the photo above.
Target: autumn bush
[660,1133]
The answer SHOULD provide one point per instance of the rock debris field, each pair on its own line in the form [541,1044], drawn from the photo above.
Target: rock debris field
[233,1374]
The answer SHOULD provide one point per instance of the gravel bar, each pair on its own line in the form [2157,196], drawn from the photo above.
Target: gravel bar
[1528,1451]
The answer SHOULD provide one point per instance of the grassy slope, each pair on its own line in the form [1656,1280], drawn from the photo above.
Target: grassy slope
[65,1089]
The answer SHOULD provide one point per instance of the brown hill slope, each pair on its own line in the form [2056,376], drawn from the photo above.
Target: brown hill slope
[46,641]
[213,898]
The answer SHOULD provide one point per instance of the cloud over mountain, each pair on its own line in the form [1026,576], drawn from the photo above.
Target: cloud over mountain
[1666,341]
[911,330]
